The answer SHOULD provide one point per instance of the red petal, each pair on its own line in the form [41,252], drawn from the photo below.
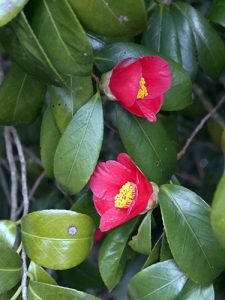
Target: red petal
[125,160]
[113,218]
[124,81]
[157,75]
[102,205]
[108,178]
[150,107]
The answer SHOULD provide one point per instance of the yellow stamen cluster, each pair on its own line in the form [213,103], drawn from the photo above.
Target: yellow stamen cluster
[125,196]
[143,90]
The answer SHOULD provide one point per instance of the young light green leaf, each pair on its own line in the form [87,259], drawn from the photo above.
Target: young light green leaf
[39,290]
[10,268]
[148,144]
[21,104]
[189,233]
[39,274]
[8,10]
[49,138]
[65,235]
[8,231]
[112,253]
[163,280]
[180,93]
[79,147]
[142,242]
[111,18]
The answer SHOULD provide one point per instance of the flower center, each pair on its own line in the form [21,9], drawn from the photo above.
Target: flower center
[142,90]
[125,196]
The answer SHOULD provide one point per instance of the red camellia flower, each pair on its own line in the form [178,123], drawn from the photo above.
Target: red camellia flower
[121,191]
[139,84]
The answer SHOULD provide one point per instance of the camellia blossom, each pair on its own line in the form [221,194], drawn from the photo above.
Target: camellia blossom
[120,191]
[139,85]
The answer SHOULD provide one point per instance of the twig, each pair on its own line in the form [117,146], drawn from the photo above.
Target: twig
[25,205]
[13,172]
[95,77]
[199,127]
[36,184]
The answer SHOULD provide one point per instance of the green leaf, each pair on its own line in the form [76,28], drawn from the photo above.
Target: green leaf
[192,242]
[85,205]
[179,94]
[22,45]
[112,253]
[218,212]
[165,252]
[22,103]
[65,102]
[79,147]
[142,242]
[192,291]
[39,274]
[8,232]
[111,17]
[171,34]
[154,255]
[49,138]
[38,290]
[8,10]
[210,47]
[65,235]
[10,268]
[61,36]
[217,13]
[148,144]
[163,280]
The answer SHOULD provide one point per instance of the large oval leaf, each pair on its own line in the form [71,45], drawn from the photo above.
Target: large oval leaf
[63,235]
[192,291]
[49,138]
[113,18]
[217,13]
[8,232]
[22,103]
[161,281]
[112,253]
[65,102]
[9,9]
[78,149]
[218,212]
[179,94]
[38,290]
[192,242]
[10,268]
[61,35]
[148,144]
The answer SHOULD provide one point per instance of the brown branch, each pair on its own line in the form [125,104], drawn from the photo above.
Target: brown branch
[13,172]
[199,127]
[36,184]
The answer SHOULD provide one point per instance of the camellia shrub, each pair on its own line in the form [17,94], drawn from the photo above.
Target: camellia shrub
[112,145]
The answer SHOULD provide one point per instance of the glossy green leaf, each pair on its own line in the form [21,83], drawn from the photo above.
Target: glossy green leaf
[165,252]
[38,290]
[49,138]
[142,242]
[65,102]
[148,144]
[63,235]
[8,232]
[192,291]
[171,34]
[22,45]
[179,94]
[192,242]
[210,47]
[113,18]
[161,281]
[85,205]
[9,9]
[154,254]
[112,253]
[10,268]
[218,212]
[39,274]
[217,13]
[79,147]
[61,35]
[22,103]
